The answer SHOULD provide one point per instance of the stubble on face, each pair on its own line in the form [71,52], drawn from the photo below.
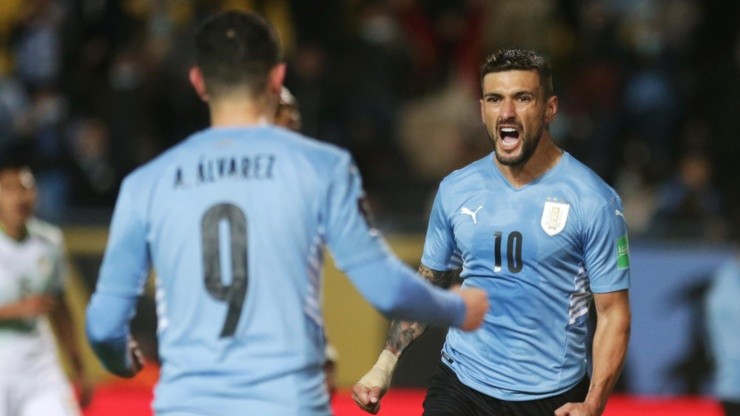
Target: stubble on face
[523,114]
[530,141]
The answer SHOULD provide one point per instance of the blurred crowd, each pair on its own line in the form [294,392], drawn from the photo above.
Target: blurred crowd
[648,94]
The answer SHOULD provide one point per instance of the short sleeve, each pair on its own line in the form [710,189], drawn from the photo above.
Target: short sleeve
[606,248]
[439,244]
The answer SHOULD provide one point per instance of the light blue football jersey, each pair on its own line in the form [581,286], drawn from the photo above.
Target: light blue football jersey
[539,251]
[234,222]
[722,314]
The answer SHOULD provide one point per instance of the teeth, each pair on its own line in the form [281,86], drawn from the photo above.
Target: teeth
[508,130]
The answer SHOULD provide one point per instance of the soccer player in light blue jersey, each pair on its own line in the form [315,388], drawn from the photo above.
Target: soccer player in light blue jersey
[721,318]
[544,236]
[234,221]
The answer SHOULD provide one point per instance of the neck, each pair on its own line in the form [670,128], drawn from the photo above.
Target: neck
[544,158]
[16,232]
[231,112]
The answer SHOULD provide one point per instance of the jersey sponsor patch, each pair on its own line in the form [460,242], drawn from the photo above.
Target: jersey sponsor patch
[623,253]
[554,217]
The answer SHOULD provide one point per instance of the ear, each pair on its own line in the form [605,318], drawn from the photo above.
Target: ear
[552,109]
[198,83]
[277,76]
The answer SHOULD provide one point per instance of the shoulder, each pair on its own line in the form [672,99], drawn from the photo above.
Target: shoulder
[144,174]
[478,172]
[586,183]
[46,231]
[321,152]
[314,157]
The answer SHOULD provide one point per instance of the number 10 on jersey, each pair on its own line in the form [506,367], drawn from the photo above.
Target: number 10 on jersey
[513,251]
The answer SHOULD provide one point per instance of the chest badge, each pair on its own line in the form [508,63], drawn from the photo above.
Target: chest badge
[554,217]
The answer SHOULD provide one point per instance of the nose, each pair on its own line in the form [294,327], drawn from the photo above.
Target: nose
[507,110]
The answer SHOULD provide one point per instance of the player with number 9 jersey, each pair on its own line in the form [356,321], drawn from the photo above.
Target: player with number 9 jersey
[234,221]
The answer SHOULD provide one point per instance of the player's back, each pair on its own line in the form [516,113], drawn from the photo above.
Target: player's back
[234,221]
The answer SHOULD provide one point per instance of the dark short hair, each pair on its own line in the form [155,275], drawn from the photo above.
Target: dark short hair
[15,156]
[519,59]
[236,49]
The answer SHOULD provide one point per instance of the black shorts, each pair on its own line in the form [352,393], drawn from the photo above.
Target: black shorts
[447,396]
[731,408]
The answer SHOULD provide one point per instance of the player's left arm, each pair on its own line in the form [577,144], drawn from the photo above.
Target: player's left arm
[610,344]
[607,260]
[609,351]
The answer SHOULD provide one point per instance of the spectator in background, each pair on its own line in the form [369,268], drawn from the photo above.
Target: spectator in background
[51,152]
[636,181]
[722,315]
[15,111]
[32,283]
[37,43]
[688,205]
[95,179]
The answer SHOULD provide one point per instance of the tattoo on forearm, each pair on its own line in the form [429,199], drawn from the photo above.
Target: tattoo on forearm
[404,333]
[436,277]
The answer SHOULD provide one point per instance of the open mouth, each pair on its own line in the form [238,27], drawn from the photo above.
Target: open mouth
[509,137]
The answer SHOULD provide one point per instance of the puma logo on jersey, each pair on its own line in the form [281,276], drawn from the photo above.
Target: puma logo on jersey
[473,214]
[618,213]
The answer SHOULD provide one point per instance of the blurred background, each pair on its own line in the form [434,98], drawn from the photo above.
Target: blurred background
[649,98]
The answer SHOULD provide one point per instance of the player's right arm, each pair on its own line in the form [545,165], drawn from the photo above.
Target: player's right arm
[369,390]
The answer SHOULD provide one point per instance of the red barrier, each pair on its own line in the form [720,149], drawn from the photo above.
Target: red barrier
[128,398]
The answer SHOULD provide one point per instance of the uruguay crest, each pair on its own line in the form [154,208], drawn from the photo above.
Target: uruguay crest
[554,217]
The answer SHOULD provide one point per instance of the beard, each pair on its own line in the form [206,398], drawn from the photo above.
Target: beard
[529,145]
